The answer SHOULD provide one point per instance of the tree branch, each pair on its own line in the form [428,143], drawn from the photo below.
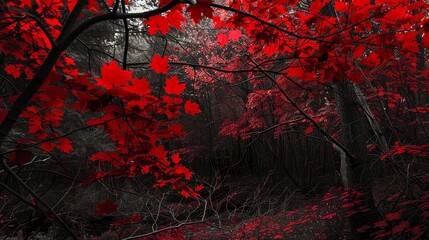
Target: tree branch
[308,117]
[43,203]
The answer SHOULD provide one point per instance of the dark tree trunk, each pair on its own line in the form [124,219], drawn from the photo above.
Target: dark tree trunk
[355,171]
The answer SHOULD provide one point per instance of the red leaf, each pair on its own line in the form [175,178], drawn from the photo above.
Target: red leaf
[358,51]
[341,6]
[3,113]
[372,60]
[199,187]
[380,224]
[416,230]
[158,152]
[139,87]
[363,229]
[106,207]
[192,108]
[47,146]
[394,216]
[27,3]
[201,8]
[185,193]
[355,77]
[292,3]
[93,5]
[316,6]
[234,35]
[69,61]
[159,64]
[177,129]
[113,76]
[157,23]
[175,17]
[329,216]
[65,145]
[386,54]
[309,130]
[222,39]
[400,227]
[112,157]
[13,70]
[175,158]
[347,205]
[173,86]
[183,170]
[71,4]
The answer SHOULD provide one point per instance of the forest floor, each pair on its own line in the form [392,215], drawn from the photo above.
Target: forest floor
[317,216]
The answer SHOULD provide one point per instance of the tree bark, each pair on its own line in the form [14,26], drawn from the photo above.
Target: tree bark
[355,171]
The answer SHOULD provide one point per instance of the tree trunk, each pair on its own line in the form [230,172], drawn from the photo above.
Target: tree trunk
[355,172]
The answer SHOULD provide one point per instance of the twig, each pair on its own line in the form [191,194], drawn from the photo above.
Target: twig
[163,230]
[37,197]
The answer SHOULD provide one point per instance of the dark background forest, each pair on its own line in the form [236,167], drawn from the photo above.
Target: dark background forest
[238,119]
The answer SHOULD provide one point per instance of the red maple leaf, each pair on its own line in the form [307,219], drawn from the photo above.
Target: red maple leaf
[175,158]
[173,86]
[222,39]
[309,130]
[157,23]
[201,8]
[177,128]
[175,17]
[65,145]
[47,146]
[159,64]
[106,207]
[113,76]
[185,193]
[13,70]
[371,60]
[27,3]
[234,35]
[93,5]
[71,4]
[112,157]
[158,152]
[69,61]
[192,108]
[199,188]
[183,170]
[139,86]
[341,6]
[316,6]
